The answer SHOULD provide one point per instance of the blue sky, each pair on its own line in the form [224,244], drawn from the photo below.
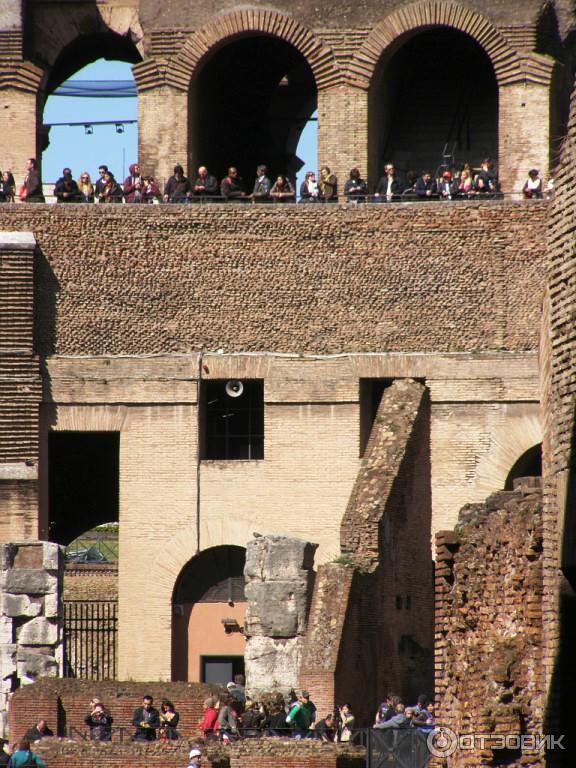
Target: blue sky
[71,146]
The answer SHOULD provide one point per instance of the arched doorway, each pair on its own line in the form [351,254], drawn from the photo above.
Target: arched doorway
[208,608]
[249,103]
[528,465]
[433,99]
[99,126]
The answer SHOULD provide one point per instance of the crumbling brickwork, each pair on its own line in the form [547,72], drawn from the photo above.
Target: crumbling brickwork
[371,621]
[30,616]
[489,673]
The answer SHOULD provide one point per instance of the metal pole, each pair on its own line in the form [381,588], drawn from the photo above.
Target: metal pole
[198,447]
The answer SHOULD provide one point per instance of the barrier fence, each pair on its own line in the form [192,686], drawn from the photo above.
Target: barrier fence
[90,638]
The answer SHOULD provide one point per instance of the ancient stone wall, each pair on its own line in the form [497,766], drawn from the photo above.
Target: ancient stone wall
[30,616]
[559,388]
[489,672]
[371,622]
[422,277]
[279,580]
[20,389]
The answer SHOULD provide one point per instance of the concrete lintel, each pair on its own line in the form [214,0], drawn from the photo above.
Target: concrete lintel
[18,471]
[17,241]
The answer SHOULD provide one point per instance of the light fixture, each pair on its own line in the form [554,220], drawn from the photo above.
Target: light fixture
[88,129]
[119,127]
[231,625]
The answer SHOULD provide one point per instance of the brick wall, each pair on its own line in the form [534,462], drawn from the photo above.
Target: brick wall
[370,629]
[91,582]
[260,753]
[233,277]
[64,703]
[489,673]
[20,389]
[559,386]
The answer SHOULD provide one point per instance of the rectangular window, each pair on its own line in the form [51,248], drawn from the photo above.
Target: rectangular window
[232,419]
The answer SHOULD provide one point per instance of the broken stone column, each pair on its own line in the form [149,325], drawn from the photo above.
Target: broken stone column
[31,577]
[279,580]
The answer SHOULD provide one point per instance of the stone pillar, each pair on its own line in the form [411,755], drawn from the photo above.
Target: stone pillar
[279,580]
[524,133]
[163,132]
[20,389]
[343,131]
[31,578]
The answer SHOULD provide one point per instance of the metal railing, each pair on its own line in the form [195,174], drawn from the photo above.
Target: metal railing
[90,637]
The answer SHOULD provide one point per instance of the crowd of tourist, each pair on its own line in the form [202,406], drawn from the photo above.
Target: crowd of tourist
[233,716]
[464,182]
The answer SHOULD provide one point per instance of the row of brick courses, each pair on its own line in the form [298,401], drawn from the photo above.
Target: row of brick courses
[256,753]
[65,703]
[150,279]
[559,387]
[489,674]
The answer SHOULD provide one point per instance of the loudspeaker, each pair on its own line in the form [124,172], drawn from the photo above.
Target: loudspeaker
[234,388]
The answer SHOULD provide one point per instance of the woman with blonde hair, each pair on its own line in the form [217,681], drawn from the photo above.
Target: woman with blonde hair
[86,188]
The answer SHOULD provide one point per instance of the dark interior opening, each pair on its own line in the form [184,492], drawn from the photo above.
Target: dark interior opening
[371,391]
[435,95]
[249,105]
[528,465]
[216,575]
[84,482]
[232,425]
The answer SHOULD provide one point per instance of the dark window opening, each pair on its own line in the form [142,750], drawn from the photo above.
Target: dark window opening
[371,391]
[84,482]
[528,465]
[433,100]
[249,105]
[216,575]
[232,419]
[219,670]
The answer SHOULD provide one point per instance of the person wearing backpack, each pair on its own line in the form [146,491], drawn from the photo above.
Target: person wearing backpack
[25,758]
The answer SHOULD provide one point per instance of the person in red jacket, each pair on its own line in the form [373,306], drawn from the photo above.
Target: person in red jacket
[208,722]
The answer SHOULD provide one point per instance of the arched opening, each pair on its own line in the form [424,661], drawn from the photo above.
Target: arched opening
[528,465]
[97,125]
[433,101]
[208,608]
[249,104]
[84,482]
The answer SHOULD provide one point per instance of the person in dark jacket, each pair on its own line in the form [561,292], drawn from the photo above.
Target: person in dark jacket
[425,187]
[355,187]
[66,189]
[100,723]
[100,183]
[4,756]
[133,185]
[325,729]
[169,719]
[38,731]
[146,720]
[177,189]
[206,184]
[262,185]
[232,186]
[112,192]
[388,187]
[32,187]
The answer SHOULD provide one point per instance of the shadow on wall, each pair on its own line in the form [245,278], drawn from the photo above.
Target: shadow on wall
[388,635]
[563,684]
[47,290]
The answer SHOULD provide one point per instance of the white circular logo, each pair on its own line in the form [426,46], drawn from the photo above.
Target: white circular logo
[442,742]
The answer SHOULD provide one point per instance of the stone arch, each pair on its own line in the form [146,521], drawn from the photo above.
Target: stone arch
[510,440]
[256,21]
[433,13]
[163,573]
